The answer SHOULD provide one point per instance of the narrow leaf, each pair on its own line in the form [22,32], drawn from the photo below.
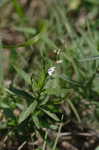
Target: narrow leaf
[53,116]
[22,93]
[27,112]
[91,58]
[22,74]
[73,82]
[26,30]
[74,110]
[36,121]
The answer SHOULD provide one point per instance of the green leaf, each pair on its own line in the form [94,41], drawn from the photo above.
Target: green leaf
[23,74]
[91,58]
[22,93]
[36,121]
[27,112]
[41,80]
[53,116]
[44,101]
[3,105]
[26,30]
[73,82]
[32,41]
[56,91]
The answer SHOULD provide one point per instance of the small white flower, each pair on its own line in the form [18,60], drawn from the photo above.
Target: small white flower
[51,70]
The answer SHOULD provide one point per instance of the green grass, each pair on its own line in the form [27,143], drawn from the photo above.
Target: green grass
[33,93]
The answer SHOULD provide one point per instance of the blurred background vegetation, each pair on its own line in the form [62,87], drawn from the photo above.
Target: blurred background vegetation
[36,35]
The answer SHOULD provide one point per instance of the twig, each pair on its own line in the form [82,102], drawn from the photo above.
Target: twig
[21,146]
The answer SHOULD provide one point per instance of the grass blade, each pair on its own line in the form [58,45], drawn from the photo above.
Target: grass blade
[58,135]
[91,58]
[74,110]
[23,74]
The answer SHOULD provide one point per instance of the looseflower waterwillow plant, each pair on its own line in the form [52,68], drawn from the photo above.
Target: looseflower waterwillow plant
[40,109]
